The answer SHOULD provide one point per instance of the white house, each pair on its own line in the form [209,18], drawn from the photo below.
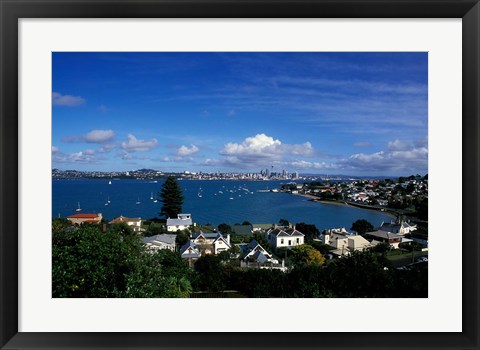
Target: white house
[134,223]
[282,236]
[163,241]
[257,257]
[211,243]
[182,222]
[189,251]
[401,228]
[343,241]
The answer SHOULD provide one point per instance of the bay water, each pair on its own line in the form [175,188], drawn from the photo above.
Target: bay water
[208,201]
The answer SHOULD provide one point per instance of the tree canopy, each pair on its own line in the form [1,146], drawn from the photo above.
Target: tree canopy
[172,198]
[362,226]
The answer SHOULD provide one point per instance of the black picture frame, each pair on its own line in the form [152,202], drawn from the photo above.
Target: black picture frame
[12,10]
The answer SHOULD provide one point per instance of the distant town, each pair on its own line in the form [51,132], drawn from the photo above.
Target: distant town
[150,174]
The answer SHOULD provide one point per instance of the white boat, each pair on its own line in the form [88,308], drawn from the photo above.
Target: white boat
[138,201]
[78,209]
[109,182]
[151,195]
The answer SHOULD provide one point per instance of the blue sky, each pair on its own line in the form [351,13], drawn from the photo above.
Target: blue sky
[318,113]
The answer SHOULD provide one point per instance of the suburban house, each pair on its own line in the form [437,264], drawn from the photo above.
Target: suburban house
[401,228]
[134,223]
[79,219]
[163,241]
[211,243]
[182,222]
[189,251]
[257,257]
[392,239]
[284,236]
[344,242]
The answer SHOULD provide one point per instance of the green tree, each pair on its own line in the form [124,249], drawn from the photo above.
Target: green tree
[225,228]
[310,231]
[283,222]
[306,255]
[172,198]
[362,226]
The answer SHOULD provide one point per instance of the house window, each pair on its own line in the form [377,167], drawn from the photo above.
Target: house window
[289,242]
[298,240]
[281,241]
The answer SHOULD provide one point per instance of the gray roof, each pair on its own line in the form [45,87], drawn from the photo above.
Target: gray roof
[189,250]
[175,222]
[285,232]
[242,230]
[384,234]
[209,235]
[164,238]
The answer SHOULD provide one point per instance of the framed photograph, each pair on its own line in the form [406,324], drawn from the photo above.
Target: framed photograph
[303,175]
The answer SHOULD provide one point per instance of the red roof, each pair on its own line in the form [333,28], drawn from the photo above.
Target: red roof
[84,216]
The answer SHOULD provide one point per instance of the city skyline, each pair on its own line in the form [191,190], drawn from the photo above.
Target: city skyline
[315,113]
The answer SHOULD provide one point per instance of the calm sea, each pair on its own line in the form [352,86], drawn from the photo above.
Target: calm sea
[209,202]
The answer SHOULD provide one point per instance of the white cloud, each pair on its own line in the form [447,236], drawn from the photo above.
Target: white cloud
[99,136]
[105,148]
[264,146]
[398,145]
[67,100]
[187,151]
[55,150]
[89,152]
[395,161]
[76,157]
[134,145]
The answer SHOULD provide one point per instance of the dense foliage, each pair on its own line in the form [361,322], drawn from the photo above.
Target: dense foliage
[172,198]
[87,262]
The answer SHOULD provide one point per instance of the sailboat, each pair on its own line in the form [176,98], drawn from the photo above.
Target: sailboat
[109,182]
[200,192]
[108,201]
[138,200]
[78,209]
[151,195]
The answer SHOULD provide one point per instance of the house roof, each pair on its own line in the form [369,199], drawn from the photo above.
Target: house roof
[189,250]
[174,222]
[285,232]
[162,238]
[262,226]
[209,235]
[84,216]
[384,234]
[125,219]
[242,230]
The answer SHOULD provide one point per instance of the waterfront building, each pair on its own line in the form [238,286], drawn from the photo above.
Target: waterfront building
[282,236]
[78,219]
[134,223]
[401,228]
[163,241]
[182,222]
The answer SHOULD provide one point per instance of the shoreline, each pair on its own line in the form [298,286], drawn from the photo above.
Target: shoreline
[317,200]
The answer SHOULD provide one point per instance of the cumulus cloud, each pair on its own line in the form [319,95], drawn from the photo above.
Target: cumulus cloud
[99,136]
[94,136]
[394,161]
[259,150]
[186,151]
[105,148]
[135,145]
[398,145]
[66,100]
[76,157]
[263,146]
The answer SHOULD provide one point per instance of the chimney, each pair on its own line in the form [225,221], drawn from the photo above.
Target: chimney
[104,228]
[228,238]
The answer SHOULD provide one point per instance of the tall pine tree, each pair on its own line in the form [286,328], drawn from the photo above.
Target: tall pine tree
[171,196]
